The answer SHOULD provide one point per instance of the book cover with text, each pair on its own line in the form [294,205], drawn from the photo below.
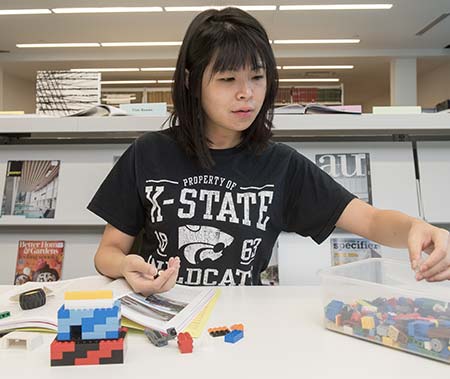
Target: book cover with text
[351,170]
[39,261]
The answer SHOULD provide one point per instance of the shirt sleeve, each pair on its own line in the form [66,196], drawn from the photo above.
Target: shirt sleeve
[117,201]
[314,201]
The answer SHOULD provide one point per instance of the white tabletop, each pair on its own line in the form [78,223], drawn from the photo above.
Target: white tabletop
[284,338]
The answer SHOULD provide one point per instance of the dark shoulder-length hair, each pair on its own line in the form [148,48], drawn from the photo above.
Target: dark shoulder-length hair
[234,40]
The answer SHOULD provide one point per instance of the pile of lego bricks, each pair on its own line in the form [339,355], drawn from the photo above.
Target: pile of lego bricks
[420,326]
[89,331]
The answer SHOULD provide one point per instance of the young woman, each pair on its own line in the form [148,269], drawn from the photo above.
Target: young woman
[212,192]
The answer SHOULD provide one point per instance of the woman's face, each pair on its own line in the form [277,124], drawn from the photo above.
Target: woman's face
[231,100]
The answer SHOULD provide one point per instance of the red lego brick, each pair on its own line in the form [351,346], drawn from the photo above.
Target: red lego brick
[185,343]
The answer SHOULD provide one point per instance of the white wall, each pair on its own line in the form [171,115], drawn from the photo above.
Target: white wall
[1,89]
[18,94]
[434,86]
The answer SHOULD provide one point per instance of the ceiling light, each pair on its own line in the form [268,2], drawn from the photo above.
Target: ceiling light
[43,45]
[104,69]
[318,7]
[107,10]
[129,82]
[129,44]
[311,41]
[219,7]
[192,9]
[335,67]
[165,81]
[158,69]
[12,12]
[310,80]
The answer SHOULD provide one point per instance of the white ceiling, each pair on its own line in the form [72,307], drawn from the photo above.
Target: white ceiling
[384,34]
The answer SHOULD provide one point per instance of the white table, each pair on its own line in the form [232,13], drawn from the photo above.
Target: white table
[284,338]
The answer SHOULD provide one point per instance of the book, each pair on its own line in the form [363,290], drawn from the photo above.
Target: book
[314,108]
[39,261]
[351,170]
[397,110]
[63,92]
[31,189]
[346,250]
[99,110]
[175,308]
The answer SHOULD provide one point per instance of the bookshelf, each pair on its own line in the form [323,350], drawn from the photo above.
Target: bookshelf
[326,95]
[86,147]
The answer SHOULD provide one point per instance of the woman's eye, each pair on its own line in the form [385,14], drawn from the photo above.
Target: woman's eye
[227,79]
[258,77]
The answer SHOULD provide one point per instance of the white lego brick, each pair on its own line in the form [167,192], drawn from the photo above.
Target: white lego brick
[89,304]
[21,340]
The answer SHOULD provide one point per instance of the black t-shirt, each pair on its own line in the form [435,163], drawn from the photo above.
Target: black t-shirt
[222,223]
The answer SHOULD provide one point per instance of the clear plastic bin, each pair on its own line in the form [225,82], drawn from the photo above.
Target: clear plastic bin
[379,300]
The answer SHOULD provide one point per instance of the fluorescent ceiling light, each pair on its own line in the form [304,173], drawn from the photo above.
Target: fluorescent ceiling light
[311,41]
[192,9]
[129,44]
[278,67]
[107,10]
[12,12]
[128,82]
[104,69]
[318,7]
[335,67]
[158,69]
[165,81]
[310,80]
[219,7]
[44,45]
[257,7]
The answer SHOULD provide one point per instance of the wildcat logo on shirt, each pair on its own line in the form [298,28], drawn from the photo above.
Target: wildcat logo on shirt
[202,242]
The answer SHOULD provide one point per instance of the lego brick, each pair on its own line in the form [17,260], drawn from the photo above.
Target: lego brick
[185,343]
[5,314]
[21,340]
[367,322]
[89,303]
[234,336]
[237,327]
[219,331]
[88,295]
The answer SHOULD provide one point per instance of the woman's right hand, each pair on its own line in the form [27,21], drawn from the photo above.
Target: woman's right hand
[140,275]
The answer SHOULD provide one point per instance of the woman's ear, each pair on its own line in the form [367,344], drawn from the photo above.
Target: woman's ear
[186,79]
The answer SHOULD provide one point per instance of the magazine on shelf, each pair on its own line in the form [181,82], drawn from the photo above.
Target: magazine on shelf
[314,108]
[31,189]
[99,110]
[63,92]
[346,250]
[351,170]
[39,261]
[175,308]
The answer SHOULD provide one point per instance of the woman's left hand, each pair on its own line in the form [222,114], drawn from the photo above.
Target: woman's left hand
[435,242]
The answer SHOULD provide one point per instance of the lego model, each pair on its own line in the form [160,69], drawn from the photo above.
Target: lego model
[158,338]
[89,330]
[185,343]
[419,325]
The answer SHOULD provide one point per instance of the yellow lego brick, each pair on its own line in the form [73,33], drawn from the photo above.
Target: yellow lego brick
[367,322]
[387,341]
[88,295]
